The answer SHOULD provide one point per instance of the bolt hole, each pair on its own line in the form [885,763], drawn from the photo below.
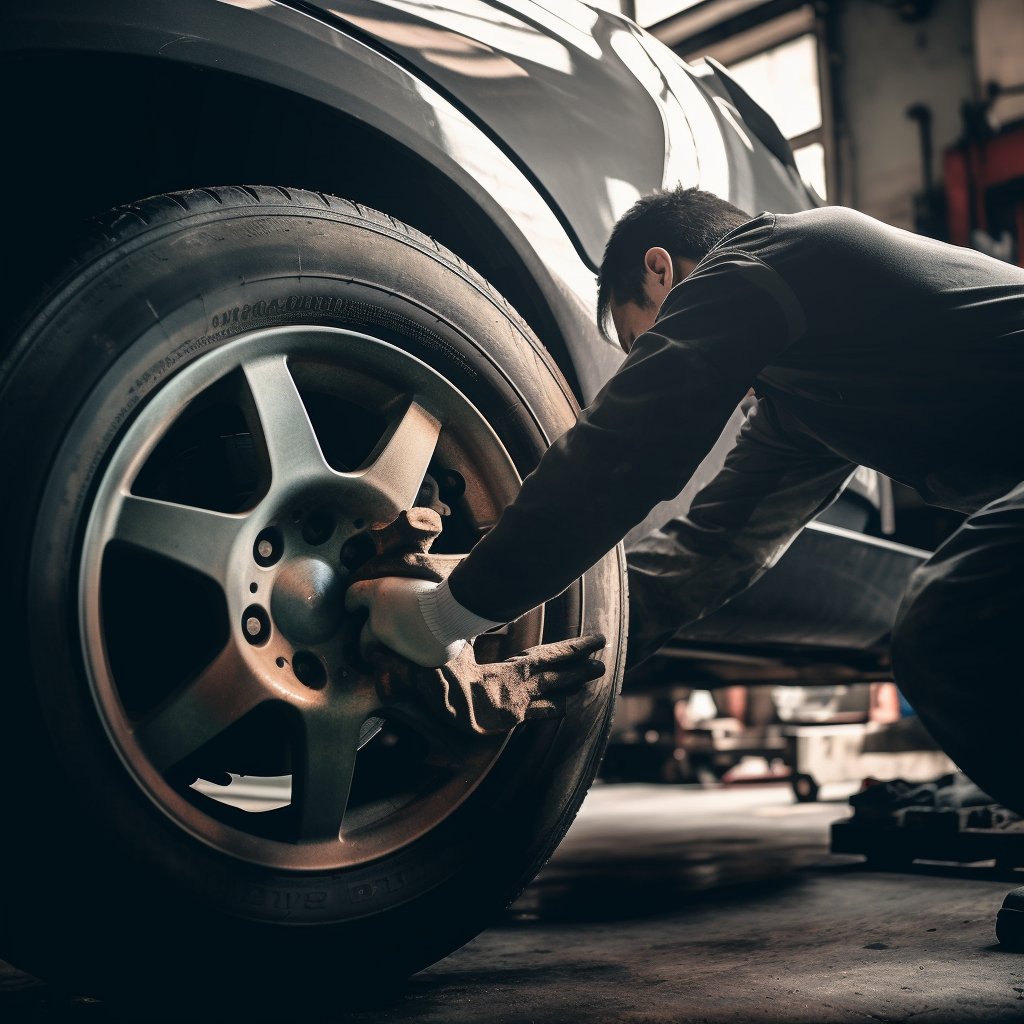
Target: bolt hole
[253,587]
[357,550]
[309,670]
[318,527]
[280,662]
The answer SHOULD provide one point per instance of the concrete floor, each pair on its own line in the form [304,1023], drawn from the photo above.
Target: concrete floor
[674,905]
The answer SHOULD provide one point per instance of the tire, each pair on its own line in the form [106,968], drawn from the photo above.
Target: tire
[805,788]
[102,829]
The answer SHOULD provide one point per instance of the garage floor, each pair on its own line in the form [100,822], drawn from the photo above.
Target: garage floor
[675,905]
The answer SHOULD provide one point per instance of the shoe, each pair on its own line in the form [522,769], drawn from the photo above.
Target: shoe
[1010,921]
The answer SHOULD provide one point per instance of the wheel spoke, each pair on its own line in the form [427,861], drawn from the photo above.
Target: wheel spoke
[392,479]
[196,537]
[288,434]
[324,767]
[218,697]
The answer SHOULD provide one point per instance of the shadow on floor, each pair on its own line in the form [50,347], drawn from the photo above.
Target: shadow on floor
[618,877]
[637,889]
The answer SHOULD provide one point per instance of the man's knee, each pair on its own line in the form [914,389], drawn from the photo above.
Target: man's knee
[906,637]
[927,628]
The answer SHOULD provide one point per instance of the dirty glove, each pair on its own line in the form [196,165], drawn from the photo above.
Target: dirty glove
[493,698]
[398,587]
[403,548]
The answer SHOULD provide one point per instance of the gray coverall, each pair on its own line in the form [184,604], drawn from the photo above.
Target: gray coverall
[865,345]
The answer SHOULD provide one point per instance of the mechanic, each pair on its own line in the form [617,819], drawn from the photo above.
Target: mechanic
[864,345]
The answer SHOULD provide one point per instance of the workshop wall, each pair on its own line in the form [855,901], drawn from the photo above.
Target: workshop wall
[886,64]
[999,49]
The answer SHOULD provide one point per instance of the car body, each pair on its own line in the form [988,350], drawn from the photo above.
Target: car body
[552,186]
[515,134]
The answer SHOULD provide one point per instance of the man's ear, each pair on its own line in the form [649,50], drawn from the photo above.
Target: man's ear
[659,274]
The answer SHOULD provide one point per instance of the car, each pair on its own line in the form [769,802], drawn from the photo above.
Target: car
[282,270]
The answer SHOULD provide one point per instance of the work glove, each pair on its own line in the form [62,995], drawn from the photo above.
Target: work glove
[476,698]
[487,699]
[396,620]
[402,548]
[389,585]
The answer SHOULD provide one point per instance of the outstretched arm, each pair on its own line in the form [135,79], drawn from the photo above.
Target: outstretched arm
[637,444]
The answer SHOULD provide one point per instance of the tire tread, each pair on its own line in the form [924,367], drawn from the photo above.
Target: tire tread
[129,221]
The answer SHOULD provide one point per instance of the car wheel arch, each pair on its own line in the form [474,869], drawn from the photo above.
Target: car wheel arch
[139,160]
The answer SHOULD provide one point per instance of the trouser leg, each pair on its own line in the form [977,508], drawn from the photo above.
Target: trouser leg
[957,647]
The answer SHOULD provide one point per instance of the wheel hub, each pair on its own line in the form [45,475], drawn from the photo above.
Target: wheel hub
[307,602]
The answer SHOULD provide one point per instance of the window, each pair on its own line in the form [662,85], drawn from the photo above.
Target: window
[785,81]
[649,12]
[775,57]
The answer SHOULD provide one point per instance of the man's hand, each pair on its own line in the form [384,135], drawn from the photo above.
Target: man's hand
[448,682]
[393,580]
[493,698]
[396,621]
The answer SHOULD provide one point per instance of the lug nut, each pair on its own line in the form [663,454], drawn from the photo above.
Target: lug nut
[269,546]
[256,624]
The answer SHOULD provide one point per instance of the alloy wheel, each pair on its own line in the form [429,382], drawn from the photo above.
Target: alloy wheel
[227,523]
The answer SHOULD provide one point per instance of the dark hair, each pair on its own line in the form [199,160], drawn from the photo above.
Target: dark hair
[685,221]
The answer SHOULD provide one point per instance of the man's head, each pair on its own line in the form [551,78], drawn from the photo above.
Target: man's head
[655,244]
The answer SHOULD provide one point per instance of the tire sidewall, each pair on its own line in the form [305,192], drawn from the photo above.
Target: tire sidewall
[105,343]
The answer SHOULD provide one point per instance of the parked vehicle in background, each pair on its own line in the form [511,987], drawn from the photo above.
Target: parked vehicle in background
[340,261]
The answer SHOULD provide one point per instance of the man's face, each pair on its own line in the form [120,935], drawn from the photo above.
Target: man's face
[632,319]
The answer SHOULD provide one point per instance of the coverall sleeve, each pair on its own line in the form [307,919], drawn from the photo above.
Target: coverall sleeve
[640,440]
[773,482]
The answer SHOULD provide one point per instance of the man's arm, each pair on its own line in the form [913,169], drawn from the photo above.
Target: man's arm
[773,482]
[637,444]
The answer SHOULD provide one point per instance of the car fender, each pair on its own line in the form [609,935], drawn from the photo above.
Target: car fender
[281,46]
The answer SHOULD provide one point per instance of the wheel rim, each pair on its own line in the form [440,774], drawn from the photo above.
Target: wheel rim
[281,669]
